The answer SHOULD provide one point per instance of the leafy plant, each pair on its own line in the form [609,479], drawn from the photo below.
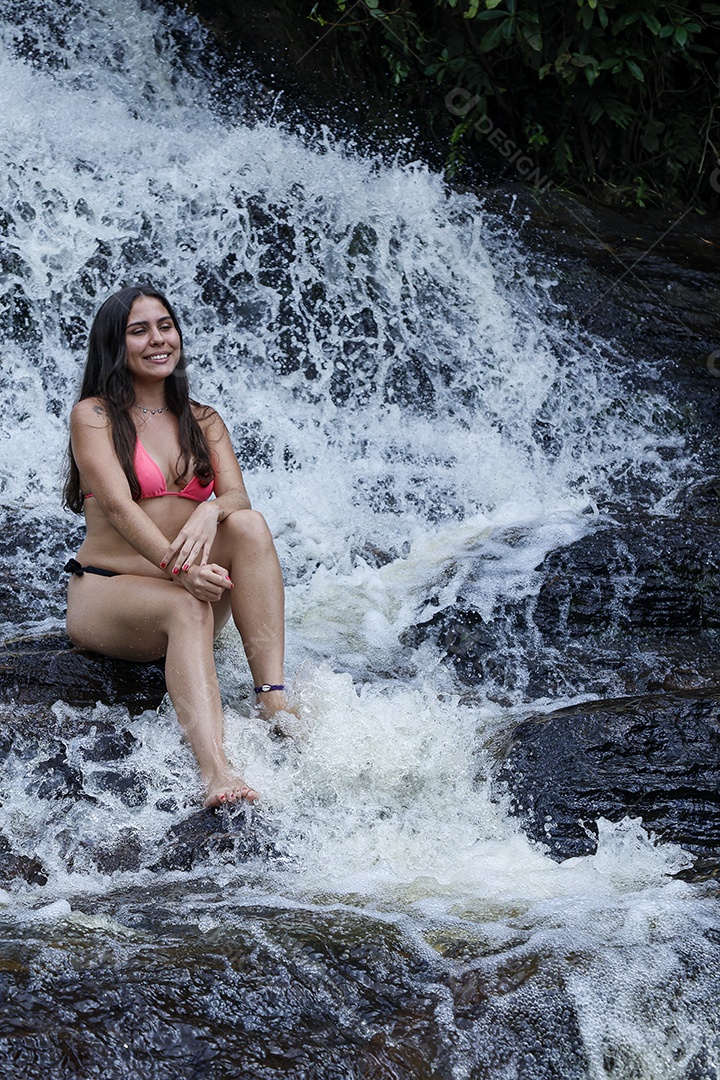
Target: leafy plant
[608,96]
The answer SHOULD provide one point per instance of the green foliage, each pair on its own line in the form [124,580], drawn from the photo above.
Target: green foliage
[617,97]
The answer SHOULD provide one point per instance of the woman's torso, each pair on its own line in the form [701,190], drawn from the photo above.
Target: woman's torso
[103,545]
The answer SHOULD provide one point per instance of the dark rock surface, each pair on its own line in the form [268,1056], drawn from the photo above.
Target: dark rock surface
[125,853]
[49,668]
[632,607]
[661,574]
[13,866]
[130,788]
[57,778]
[230,835]
[655,758]
[652,279]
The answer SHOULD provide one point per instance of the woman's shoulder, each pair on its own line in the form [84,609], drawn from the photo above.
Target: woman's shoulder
[208,418]
[90,410]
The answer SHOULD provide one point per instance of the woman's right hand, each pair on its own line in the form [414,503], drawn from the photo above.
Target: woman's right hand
[207,582]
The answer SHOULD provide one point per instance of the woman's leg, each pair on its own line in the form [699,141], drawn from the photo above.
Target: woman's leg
[141,618]
[244,546]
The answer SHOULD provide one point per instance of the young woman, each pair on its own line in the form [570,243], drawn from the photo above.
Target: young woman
[163,564]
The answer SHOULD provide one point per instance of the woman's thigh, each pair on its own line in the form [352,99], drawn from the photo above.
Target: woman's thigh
[128,616]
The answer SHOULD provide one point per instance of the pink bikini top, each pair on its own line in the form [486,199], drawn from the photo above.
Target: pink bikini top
[152,480]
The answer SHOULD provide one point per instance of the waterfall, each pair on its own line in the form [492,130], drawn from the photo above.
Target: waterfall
[407,405]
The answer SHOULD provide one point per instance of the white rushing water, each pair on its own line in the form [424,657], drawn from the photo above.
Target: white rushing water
[404,407]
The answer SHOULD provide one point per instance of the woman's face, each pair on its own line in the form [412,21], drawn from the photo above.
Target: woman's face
[152,341]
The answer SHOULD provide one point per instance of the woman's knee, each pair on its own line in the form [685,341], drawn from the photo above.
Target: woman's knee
[247,527]
[185,610]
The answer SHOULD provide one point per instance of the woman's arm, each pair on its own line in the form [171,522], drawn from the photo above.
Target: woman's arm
[94,453]
[194,541]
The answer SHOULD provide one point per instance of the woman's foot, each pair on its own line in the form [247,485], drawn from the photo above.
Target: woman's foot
[228,790]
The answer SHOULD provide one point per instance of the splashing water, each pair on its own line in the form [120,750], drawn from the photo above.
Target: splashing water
[403,406]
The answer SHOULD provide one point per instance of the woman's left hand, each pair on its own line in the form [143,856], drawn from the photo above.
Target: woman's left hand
[194,541]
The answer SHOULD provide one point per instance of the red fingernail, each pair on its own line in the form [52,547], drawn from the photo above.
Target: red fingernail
[186,566]
[163,565]
[175,570]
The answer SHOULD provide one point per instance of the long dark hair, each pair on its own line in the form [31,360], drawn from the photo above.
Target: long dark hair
[107,377]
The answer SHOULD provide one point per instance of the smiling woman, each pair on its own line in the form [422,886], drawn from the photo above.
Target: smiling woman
[159,576]
[152,341]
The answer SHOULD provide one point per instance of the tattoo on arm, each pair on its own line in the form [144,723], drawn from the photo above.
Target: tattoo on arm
[100,410]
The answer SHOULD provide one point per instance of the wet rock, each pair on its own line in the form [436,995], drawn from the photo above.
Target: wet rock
[463,635]
[14,866]
[40,738]
[701,501]
[167,805]
[660,574]
[22,594]
[667,306]
[49,668]
[630,608]
[32,584]
[110,746]
[375,556]
[656,758]
[6,741]
[83,853]
[60,780]
[234,835]
[130,787]
[125,853]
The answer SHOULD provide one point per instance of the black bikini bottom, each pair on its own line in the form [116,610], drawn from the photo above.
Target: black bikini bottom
[73,567]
